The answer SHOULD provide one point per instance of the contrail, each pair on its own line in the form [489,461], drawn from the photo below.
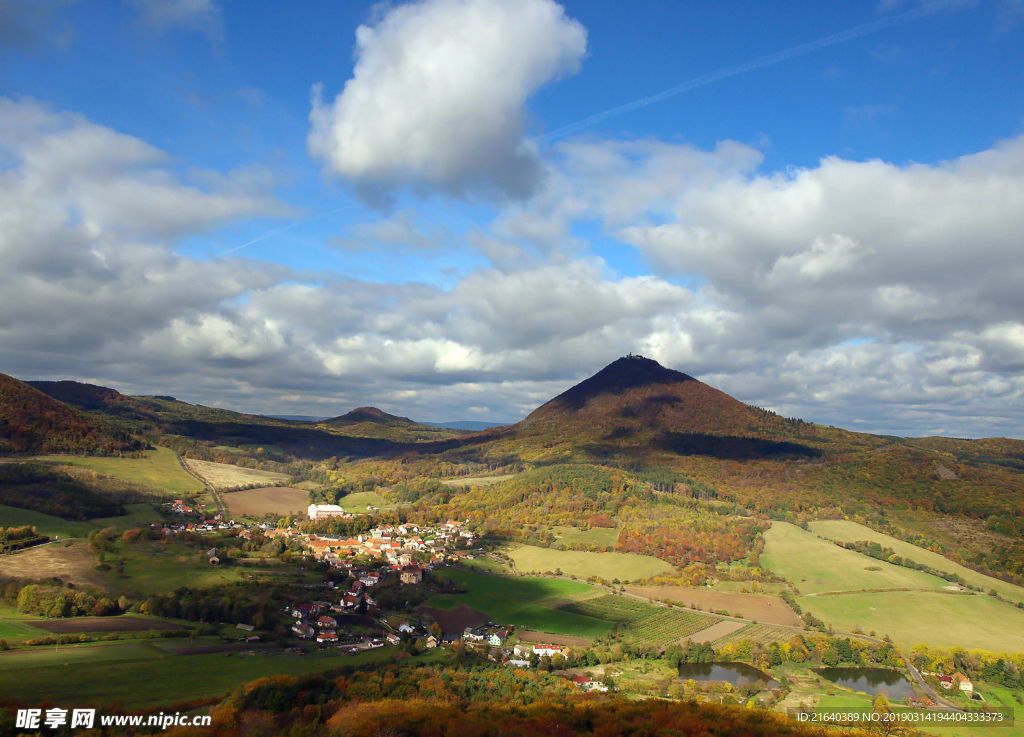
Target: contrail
[749,66]
[284,229]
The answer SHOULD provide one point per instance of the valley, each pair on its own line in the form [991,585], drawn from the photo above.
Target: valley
[637,523]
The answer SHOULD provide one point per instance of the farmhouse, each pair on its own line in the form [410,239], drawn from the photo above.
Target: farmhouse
[548,650]
[963,682]
[304,631]
[327,622]
[412,574]
[329,637]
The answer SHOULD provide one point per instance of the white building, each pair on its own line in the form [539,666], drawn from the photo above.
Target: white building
[323,511]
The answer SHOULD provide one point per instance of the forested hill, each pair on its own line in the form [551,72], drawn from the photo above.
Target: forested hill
[32,422]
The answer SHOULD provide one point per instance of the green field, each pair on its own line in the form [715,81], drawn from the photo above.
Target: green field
[143,675]
[15,631]
[815,565]
[911,617]
[159,469]
[846,531]
[599,536]
[139,515]
[159,568]
[651,625]
[623,566]
[45,523]
[360,500]
[486,565]
[525,602]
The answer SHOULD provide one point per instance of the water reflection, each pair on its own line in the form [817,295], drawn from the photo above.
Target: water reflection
[738,674]
[869,680]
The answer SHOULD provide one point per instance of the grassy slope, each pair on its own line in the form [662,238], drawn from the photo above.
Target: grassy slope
[139,515]
[141,675]
[159,469]
[157,568]
[45,523]
[515,601]
[815,565]
[911,617]
[624,566]
[357,502]
[599,536]
[846,531]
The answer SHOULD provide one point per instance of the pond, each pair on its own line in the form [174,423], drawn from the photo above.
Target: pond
[869,680]
[738,674]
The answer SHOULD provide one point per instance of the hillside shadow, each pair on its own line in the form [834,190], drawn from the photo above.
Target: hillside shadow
[732,448]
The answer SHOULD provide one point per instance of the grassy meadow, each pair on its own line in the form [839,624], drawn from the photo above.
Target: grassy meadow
[478,480]
[359,501]
[815,565]
[138,675]
[912,617]
[525,602]
[623,566]
[45,523]
[599,536]
[846,531]
[159,568]
[226,476]
[139,515]
[159,469]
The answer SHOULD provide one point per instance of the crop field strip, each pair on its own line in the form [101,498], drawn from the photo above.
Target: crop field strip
[656,626]
[762,633]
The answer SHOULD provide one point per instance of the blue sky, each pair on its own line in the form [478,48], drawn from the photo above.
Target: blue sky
[306,207]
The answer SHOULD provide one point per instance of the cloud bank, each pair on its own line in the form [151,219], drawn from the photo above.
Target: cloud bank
[870,295]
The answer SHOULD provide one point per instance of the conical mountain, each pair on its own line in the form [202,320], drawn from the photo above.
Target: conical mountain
[641,394]
[636,406]
[368,414]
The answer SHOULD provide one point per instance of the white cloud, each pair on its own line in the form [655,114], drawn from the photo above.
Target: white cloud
[853,293]
[437,96]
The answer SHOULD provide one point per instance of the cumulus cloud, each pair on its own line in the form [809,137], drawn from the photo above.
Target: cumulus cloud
[437,97]
[87,220]
[863,294]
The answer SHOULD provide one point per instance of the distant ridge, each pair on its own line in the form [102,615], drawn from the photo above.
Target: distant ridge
[300,418]
[368,414]
[78,394]
[474,425]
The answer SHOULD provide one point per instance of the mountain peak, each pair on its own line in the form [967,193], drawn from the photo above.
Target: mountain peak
[621,375]
[369,414]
